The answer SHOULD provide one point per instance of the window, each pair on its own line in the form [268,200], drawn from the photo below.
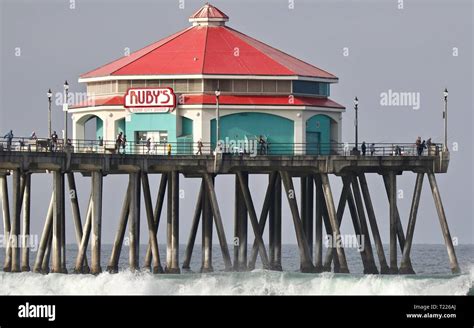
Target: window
[269,86]
[195,85]
[138,83]
[153,83]
[240,86]
[210,85]
[180,85]
[156,136]
[284,86]
[167,83]
[225,85]
[255,86]
[123,85]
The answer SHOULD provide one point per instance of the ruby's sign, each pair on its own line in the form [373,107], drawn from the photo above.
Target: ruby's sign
[139,100]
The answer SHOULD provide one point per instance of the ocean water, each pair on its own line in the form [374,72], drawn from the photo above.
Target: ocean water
[429,261]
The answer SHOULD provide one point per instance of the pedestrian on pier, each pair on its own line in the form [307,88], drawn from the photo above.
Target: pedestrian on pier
[124,143]
[428,145]
[54,141]
[263,145]
[364,148]
[372,149]
[421,147]
[168,149]
[9,137]
[118,142]
[199,145]
[148,145]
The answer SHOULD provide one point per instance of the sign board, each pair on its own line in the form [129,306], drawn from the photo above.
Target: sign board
[150,100]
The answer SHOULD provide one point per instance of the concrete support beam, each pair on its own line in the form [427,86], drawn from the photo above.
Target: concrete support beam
[96,221]
[194,228]
[134,221]
[453,261]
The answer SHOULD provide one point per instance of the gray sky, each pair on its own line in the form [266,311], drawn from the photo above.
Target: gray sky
[403,50]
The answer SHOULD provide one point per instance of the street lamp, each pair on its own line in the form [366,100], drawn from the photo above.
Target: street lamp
[445,116]
[50,95]
[217,93]
[65,109]
[356,108]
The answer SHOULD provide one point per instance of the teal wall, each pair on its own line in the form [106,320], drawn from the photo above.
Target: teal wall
[121,126]
[186,126]
[151,122]
[275,129]
[99,128]
[319,125]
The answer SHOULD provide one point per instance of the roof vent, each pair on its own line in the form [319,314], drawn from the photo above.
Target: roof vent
[208,15]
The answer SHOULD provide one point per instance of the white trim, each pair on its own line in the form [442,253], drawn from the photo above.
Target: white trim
[266,107]
[95,108]
[205,76]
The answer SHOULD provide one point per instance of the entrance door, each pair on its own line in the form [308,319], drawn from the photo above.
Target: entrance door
[313,143]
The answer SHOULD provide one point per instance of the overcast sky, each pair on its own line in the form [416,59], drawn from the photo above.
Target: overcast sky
[372,46]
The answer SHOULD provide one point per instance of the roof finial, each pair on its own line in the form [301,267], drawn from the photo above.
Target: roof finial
[208,15]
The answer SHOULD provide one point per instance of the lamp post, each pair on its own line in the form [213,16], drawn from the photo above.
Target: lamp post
[50,95]
[356,123]
[445,116]
[217,93]
[65,109]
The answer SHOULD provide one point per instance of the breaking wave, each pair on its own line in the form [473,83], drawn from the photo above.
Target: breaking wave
[258,282]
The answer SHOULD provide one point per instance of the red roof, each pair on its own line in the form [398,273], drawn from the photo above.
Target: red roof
[230,100]
[209,11]
[209,49]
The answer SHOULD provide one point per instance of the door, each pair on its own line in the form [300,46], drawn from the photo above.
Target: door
[313,143]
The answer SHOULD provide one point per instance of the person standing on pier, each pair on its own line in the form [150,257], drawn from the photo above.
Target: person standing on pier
[372,149]
[148,145]
[169,149]
[118,142]
[124,143]
[9,137]
[364,148]
[199,144]
[54,140]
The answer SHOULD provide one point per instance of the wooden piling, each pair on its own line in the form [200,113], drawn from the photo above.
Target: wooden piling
[405,267]
[96,221]
[453,261]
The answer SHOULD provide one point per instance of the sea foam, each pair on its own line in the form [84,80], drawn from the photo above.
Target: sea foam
[258,282]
